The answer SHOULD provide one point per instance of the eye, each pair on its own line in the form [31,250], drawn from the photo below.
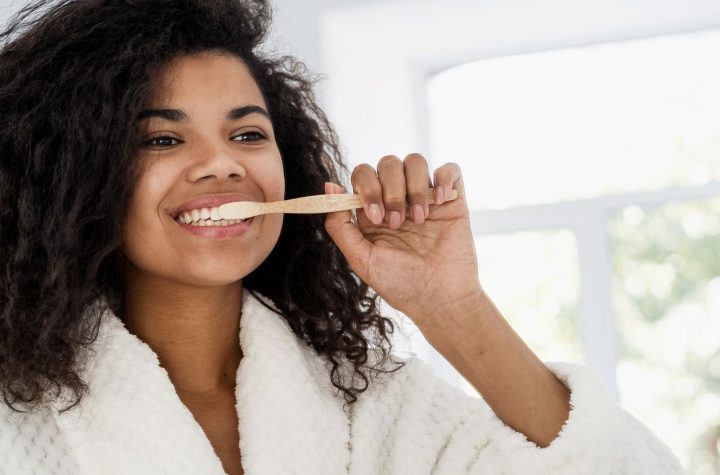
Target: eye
[257,136]
[154,141]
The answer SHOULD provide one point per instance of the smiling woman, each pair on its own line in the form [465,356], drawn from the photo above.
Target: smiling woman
[118,115]
[144,335]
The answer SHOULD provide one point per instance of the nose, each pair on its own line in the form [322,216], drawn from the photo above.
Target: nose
[217,161]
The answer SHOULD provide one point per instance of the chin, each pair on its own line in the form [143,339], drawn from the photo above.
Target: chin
[218,277]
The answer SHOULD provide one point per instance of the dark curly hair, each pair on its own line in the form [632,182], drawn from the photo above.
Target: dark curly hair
[73,77]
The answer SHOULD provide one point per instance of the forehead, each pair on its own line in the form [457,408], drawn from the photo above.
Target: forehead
[204,77]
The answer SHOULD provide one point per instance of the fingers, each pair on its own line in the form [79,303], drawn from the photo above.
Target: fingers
[418,181]
[346,235]
[365,183]
[446,178]
[391,174]
[398,188]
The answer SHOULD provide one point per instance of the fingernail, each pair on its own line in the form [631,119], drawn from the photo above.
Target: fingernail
[418,214]
[374,212]
[394,219]
[439,194]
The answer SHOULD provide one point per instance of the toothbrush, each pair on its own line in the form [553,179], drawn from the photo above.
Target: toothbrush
[304,205]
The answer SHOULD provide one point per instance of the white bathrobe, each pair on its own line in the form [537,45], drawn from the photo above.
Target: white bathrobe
[291,420]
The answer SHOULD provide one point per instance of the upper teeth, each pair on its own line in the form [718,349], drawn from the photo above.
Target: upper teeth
[204,214]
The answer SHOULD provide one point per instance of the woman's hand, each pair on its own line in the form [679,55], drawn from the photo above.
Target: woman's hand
[420,264]
[427,269]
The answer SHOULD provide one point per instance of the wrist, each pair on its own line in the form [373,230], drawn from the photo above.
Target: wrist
[456,317]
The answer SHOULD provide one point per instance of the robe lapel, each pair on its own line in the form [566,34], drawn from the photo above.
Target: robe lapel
[132,420]
[290,420]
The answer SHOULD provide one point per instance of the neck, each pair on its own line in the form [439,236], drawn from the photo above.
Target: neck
[193,330]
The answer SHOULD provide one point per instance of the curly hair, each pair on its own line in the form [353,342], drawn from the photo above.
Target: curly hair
[73,77]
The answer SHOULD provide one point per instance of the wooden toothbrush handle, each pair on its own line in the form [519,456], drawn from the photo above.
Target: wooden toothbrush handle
[330,203]
[304,205]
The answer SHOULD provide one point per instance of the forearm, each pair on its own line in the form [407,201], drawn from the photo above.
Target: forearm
[479,343]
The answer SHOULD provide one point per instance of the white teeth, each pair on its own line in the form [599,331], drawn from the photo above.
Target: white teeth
[205,217]
[210,222]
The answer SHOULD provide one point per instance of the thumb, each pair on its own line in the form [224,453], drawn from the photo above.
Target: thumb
[346,234]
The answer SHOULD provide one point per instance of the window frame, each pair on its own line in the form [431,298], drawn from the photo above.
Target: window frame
[407,46]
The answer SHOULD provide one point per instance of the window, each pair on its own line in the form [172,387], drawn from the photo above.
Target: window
[666,268]
[593,177]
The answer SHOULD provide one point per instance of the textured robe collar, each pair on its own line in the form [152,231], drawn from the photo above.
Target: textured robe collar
[133,421]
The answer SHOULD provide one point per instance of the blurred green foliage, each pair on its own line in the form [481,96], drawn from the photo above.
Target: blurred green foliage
[666,291]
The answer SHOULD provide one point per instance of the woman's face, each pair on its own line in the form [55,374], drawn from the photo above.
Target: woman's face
[203,153]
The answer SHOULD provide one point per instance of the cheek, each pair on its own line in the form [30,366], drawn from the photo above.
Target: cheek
[271,228]
[274,183]
[141,234]
[143,217]
[156,182]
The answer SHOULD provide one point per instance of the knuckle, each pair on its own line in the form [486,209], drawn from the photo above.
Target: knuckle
[415,158]
[454,166]
[417,197]
[361,171]
[373,195]
[388,160]
[395,200]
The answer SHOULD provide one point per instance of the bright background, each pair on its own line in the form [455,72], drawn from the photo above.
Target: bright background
[588,133]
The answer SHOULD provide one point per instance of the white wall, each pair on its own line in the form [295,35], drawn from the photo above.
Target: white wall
[297,31]
[378,56]
[7,8]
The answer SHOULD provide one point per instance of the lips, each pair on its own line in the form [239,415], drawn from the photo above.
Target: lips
[210,201]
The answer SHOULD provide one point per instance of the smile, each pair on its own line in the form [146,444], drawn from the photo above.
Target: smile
[222,228]
[205,217]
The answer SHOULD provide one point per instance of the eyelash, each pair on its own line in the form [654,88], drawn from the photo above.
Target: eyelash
[150,144]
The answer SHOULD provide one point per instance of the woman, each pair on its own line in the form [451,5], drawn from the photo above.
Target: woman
[141,334]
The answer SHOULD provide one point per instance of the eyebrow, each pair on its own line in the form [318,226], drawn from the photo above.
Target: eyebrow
[177,115]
